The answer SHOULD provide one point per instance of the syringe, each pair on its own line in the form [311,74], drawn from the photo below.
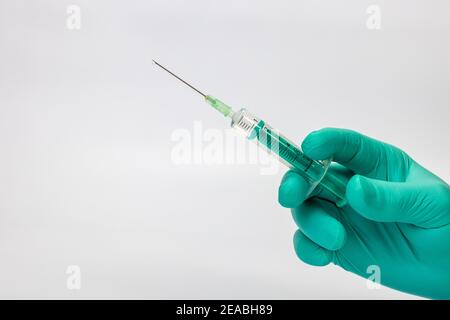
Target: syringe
[255,129]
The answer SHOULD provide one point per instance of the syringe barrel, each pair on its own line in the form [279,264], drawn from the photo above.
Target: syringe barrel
[288,153]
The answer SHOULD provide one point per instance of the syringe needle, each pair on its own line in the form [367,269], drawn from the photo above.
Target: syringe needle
[213,102]
[173,74]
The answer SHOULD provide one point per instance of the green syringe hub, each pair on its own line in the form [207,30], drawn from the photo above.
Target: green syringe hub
[219,105]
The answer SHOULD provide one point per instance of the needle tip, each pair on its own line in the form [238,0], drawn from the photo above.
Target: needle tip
[173,74]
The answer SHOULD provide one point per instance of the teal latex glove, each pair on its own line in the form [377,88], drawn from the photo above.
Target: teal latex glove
[397,217]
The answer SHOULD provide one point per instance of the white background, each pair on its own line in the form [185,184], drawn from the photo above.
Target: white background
[86,176]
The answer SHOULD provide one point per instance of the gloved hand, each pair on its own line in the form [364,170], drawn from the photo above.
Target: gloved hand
[397,217]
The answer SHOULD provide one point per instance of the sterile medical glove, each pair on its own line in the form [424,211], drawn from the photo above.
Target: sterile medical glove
[397,219]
